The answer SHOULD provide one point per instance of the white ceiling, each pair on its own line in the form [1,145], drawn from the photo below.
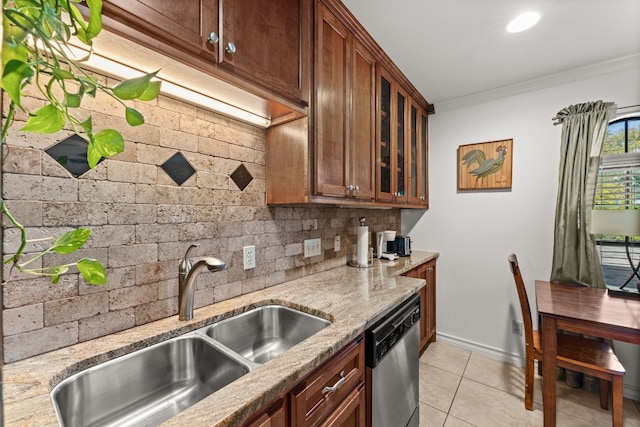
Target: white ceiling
[453,50]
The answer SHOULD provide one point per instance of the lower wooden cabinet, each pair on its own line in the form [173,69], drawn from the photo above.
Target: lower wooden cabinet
[333,395]
[427,294]
[275,414]
[319,399]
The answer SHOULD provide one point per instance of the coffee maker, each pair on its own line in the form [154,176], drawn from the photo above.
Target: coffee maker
[382,237]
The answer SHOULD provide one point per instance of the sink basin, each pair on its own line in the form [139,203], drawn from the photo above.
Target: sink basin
[261,334]
[146,387]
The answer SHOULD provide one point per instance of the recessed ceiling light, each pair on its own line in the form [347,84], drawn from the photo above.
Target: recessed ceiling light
[523,22]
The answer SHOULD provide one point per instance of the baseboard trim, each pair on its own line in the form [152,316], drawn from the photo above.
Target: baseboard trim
[630,391]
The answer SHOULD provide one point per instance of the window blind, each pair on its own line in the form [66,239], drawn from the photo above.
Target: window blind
[618,183]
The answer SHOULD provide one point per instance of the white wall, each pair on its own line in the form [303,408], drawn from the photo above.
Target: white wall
[476,296]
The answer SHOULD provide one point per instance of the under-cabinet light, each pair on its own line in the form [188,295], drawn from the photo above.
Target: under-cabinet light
[116,69]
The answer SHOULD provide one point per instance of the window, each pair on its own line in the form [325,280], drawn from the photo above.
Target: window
[618,188]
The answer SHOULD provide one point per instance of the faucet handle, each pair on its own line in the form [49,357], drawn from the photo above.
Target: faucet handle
[185,265]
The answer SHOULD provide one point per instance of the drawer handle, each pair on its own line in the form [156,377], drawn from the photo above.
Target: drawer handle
[336,386]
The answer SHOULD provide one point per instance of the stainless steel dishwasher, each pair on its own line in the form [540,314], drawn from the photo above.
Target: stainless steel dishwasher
[392,357]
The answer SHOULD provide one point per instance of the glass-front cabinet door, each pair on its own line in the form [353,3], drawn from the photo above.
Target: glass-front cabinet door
[400,194]
[424,160]
[384,139]
[414,158]
[391,151]
[418,167]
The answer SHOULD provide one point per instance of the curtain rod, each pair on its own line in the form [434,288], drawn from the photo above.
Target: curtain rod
[558,121]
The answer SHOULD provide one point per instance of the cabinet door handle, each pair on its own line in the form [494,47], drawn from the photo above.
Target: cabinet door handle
[230,48]
[213,37]
[336,386]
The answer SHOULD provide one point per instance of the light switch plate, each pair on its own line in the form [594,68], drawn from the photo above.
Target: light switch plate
[336,244]
[249,257]
[312,247]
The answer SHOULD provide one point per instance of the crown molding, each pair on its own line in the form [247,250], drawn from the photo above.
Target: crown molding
[557,79]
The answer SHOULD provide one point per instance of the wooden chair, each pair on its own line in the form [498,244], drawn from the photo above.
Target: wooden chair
[589,356]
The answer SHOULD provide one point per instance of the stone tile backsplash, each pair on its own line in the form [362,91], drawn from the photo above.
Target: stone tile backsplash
[142,223]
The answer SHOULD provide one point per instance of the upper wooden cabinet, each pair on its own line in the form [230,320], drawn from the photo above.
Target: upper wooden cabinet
[402,145]
[343,111]
[364,142]
[238,40]
[184,25]
[262,42]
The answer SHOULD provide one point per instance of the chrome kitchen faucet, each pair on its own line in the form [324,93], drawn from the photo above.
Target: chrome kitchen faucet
[186,278]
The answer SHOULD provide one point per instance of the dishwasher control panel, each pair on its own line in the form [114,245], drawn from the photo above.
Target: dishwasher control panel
[382,336]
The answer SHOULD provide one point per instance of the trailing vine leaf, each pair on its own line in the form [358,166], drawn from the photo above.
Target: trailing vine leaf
[34,53]
[133,88]
[152,91]
[134,117]
[109,142]
[15,72]
[92,271]
[48,119]
[71,241]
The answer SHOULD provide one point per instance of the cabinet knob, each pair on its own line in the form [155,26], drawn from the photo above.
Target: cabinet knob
[213,37]
[230,48]
[357,188]
[350,187]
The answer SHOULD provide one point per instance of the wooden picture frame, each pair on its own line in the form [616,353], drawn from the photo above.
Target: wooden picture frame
[485,165]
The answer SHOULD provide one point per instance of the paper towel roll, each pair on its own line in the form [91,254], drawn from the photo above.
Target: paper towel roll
[363,245]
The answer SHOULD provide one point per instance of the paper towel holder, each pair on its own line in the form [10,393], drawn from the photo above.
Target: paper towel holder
[369,251]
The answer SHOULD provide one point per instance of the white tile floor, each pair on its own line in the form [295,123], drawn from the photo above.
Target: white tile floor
[459,388]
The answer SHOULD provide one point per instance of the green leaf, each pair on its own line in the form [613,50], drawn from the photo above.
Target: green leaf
[109,142]
[92,271]
[88,86]
[152,91]
[47,119]
[133,88]
[71,241]
[61,74]
[15,72]
[93,155]
[134,117]
[75,14]
[95,19]
[71,100]
[56,272]
[87,125]
[51,18]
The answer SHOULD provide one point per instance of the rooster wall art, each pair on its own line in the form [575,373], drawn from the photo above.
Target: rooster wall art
[485,166]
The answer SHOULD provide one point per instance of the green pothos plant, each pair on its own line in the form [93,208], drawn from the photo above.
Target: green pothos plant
[35,52]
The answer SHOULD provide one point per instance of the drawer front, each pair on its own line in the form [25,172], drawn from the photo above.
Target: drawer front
[351,412]
[312,402]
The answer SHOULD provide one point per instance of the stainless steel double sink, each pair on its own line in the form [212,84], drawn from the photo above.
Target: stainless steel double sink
[151,385]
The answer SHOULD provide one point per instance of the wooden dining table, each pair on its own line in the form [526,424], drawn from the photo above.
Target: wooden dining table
[584,310]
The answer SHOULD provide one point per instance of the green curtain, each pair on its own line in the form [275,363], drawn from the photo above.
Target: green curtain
[575,256]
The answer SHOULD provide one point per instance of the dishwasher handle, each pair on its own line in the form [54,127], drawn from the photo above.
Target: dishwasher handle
[336,386]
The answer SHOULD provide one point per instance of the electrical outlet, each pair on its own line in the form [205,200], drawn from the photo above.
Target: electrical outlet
[336,244]
[249,257]
[516,327]
[312,247]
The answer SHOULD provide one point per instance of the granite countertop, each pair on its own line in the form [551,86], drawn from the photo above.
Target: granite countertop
[352,298]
